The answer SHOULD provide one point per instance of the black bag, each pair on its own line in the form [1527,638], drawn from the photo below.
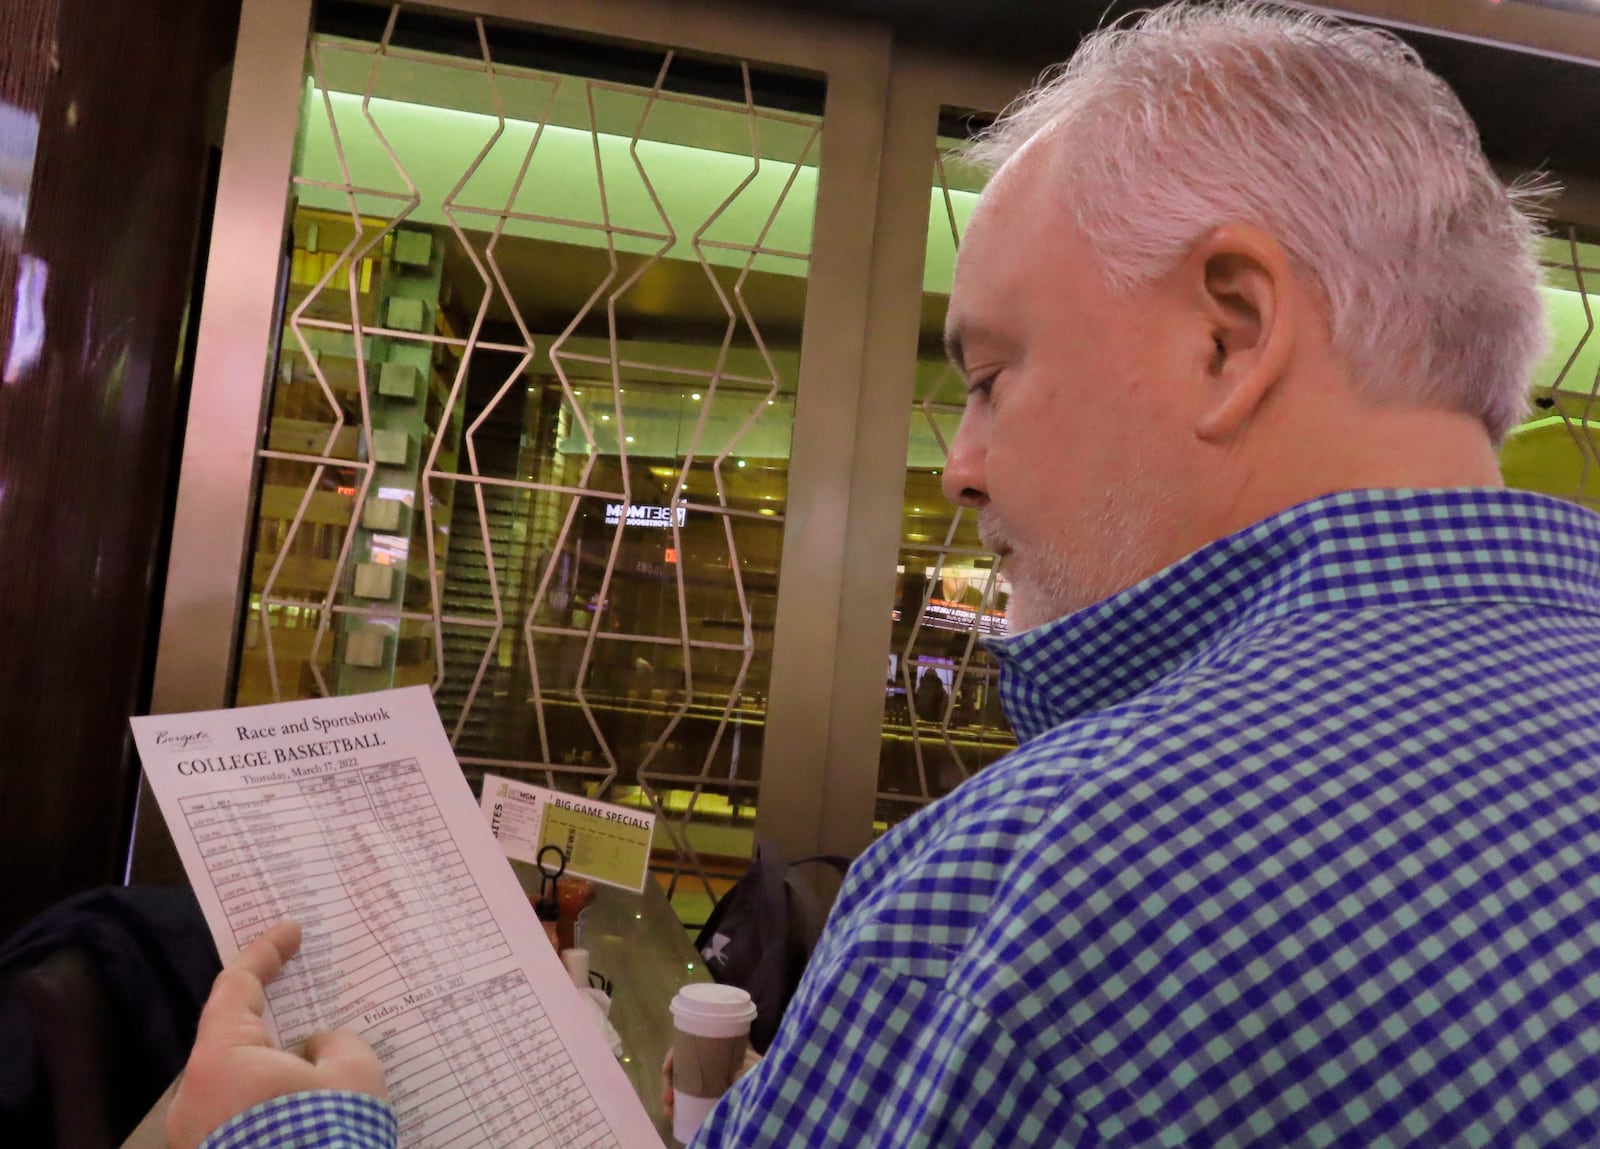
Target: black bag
[761,933]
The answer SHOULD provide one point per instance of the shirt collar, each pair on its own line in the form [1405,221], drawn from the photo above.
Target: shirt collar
[1346,551]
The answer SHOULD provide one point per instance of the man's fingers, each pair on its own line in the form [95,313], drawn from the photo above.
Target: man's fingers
[344,1060]
[241,986]
[263,958]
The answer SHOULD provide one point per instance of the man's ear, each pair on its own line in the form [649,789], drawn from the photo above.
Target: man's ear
[1244,285]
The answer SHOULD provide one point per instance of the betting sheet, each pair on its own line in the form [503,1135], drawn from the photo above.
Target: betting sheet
[351,816]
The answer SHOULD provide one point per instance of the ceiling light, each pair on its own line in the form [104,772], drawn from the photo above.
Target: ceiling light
[627,438]
[575,391]
[696,395]
[605,418]
[741,462]
[768,511]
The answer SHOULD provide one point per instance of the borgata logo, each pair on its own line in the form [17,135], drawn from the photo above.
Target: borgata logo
[182,741]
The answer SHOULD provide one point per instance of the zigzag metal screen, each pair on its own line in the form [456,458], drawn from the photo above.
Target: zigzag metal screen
[942,719]
[1555,450]
[529,433]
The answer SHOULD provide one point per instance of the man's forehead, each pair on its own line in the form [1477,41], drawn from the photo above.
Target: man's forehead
[1001,242]
[999,198]
[1021,206]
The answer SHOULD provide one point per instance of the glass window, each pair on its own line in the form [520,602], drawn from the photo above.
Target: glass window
[529,432]
[1556,449]
[942,716]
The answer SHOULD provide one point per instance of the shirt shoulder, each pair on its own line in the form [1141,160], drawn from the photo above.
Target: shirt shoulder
[1352,830]
[913,901]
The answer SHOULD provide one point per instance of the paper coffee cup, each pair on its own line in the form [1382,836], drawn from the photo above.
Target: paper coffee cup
[711,1030]
[688,1114]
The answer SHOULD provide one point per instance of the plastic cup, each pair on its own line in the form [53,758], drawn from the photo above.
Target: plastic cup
[577,963]
[711,1028]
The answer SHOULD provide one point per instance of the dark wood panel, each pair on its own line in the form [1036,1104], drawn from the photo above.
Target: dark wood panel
[95,282]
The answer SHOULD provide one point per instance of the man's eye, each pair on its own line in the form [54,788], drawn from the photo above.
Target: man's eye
[979,387]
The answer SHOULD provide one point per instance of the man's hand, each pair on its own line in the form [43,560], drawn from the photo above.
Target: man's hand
[234,1064]
[669,1096]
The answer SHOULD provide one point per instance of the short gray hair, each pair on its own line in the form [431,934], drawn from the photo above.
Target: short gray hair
[1336,140]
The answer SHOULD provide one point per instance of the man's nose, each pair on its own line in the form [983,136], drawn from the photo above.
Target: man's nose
[963,479]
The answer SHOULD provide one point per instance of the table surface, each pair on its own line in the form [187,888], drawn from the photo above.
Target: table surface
[637,942]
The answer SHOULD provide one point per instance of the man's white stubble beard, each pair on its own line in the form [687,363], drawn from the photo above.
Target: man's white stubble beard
[1050,581]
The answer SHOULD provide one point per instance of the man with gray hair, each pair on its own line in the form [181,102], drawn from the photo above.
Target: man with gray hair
[1301,845]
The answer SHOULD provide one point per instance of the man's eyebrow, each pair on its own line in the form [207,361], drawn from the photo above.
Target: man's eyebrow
[958,334]
[952,349]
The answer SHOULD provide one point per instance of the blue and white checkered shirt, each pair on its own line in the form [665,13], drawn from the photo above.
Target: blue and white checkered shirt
[1301,848]
[326,1119]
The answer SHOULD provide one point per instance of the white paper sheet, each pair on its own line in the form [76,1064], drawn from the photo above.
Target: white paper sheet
[351,816]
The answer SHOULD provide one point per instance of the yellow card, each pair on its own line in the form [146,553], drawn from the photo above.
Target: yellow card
[607,843]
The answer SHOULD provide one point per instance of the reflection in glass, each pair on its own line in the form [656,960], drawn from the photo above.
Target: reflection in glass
[942,716]
[1556,449]
[19,147]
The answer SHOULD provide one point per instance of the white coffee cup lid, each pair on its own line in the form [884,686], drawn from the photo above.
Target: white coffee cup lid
[713,1003]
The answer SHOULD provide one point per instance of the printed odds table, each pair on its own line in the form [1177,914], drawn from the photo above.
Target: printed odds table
[351,816]
[364,861]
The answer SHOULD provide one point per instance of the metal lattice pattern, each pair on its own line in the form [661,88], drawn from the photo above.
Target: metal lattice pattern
[946,740]
[1565,398]
[449,447]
